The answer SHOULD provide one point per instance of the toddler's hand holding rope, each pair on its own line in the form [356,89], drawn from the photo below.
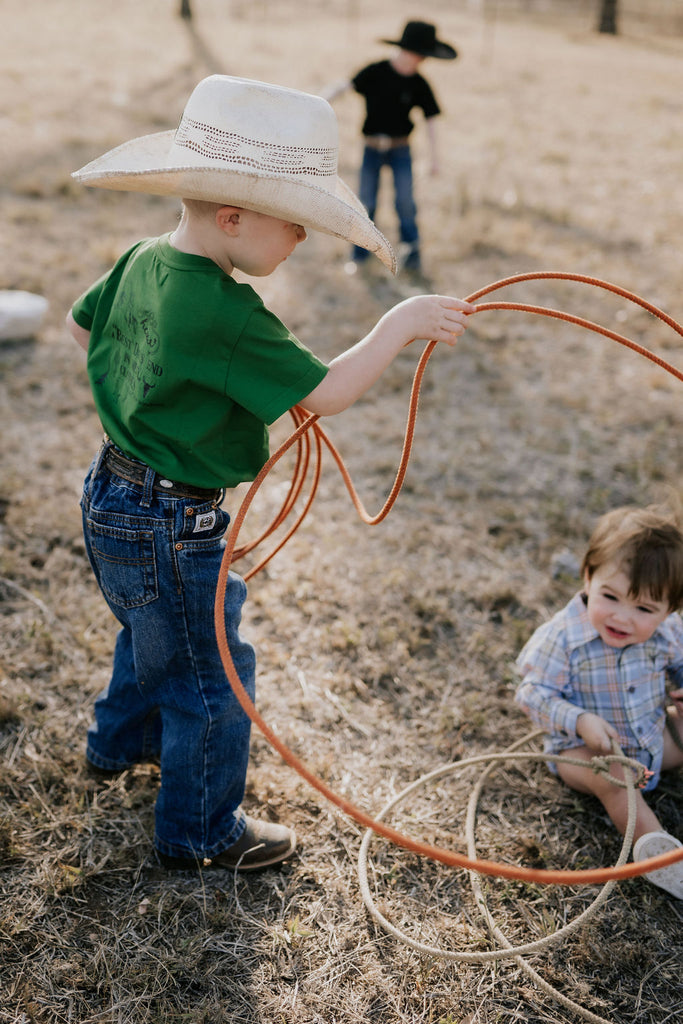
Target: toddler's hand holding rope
[676,698]
[596,732]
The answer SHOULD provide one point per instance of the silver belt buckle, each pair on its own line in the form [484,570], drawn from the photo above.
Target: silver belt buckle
[383,143]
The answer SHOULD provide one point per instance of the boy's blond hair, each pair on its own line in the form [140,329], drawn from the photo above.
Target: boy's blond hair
[647,544]
[201,208]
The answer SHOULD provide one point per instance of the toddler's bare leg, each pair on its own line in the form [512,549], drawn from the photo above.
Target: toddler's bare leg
[613,798]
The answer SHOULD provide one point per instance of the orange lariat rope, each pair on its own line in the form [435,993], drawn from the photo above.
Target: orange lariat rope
[307,424]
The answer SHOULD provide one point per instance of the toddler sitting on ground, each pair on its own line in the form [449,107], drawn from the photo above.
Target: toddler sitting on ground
[597,671]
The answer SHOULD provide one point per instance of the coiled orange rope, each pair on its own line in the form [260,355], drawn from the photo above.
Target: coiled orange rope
[307,425]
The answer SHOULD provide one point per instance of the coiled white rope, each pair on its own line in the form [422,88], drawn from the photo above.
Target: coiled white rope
[517,953]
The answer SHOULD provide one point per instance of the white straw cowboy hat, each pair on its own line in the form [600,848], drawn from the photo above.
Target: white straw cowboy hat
[246,143]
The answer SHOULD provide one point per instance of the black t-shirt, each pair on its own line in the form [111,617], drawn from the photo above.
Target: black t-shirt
[389,98]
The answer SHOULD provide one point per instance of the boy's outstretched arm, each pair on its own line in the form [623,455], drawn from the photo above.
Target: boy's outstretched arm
[432,317]
[333,91]
[434,166]
[78,333]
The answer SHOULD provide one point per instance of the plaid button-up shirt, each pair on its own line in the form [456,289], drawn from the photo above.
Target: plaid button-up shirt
[567,669]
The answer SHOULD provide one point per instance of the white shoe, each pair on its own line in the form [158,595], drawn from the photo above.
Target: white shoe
[669,878]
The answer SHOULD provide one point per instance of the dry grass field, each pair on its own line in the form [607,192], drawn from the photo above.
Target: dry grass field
[384,652]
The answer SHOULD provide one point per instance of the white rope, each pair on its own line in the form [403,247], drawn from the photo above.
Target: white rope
[508,950]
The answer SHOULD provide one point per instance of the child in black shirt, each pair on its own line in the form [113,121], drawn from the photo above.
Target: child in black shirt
[392,89]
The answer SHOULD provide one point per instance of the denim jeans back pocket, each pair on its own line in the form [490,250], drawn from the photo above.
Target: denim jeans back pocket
[125,563]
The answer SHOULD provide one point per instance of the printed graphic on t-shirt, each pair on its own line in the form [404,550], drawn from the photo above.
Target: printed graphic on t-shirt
[132,368]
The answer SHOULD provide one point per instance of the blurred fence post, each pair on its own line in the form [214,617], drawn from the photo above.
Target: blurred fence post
[608,16]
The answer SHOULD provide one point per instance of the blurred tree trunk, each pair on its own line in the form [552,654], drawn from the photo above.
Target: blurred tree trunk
[608,16]
[185,9]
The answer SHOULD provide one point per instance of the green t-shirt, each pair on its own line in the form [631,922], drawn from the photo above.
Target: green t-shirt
[187,366]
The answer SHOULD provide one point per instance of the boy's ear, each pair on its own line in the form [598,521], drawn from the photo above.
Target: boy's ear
[228,219]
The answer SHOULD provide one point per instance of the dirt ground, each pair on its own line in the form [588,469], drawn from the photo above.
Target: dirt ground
[384,652]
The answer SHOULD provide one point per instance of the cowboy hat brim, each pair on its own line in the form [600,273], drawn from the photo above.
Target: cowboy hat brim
[144,165]
[442,51]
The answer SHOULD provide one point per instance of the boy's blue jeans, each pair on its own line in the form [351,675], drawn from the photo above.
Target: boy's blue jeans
[400,162]
[168,695]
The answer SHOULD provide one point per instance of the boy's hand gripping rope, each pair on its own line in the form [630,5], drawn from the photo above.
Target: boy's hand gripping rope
[307,425]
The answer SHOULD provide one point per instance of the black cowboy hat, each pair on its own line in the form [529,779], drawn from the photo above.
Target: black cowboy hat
[420,37]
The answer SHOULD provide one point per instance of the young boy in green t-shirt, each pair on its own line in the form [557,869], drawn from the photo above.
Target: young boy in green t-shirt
[187,369]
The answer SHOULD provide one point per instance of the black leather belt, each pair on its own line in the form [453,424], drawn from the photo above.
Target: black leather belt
[135,472]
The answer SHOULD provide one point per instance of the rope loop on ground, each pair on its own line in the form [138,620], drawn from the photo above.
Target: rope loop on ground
[508,951]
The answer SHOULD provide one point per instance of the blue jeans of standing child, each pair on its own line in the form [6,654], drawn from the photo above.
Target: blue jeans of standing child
[400,162]
[156,559]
